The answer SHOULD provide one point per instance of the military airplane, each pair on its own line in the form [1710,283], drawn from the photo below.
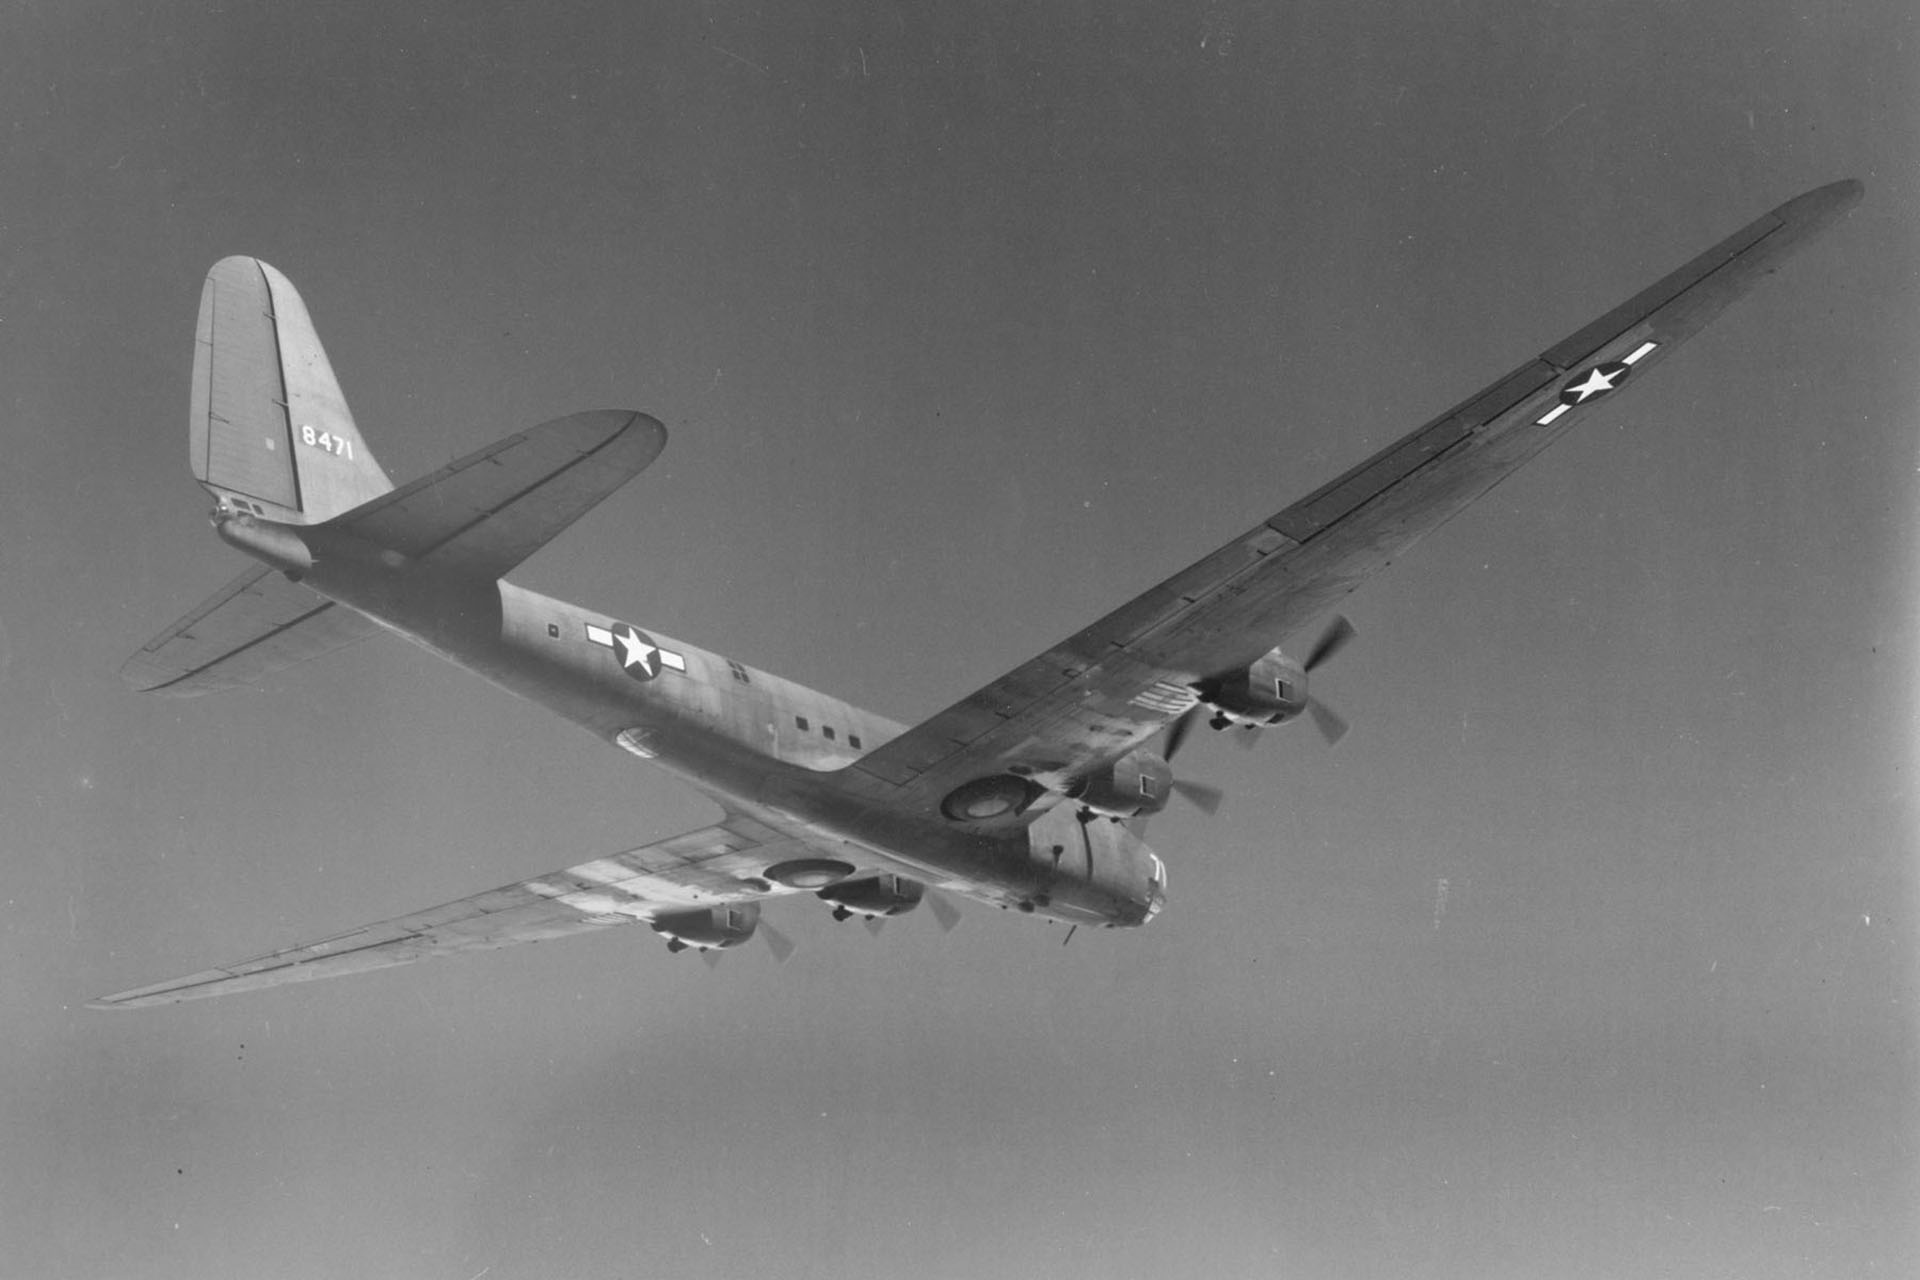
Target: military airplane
[1025,794]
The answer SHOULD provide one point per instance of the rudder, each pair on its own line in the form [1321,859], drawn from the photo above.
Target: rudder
[270,429]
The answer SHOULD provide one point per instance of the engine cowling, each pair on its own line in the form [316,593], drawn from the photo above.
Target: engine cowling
[1134,786]
[875,896]
[1270,691]
[708,928]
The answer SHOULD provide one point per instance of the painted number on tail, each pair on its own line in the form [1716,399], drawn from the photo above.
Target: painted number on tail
[338,446]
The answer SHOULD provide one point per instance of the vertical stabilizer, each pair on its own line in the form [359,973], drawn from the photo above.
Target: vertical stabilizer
[270,427]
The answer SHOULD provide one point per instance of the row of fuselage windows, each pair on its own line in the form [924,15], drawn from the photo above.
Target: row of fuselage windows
[826,731]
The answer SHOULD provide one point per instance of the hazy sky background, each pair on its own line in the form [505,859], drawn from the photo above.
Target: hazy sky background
[1588,953]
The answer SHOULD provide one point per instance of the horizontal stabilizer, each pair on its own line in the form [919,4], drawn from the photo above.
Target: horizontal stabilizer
[255,625]
[490,510]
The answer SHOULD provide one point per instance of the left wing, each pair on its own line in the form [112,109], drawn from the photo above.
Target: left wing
[699,869]
[1100,693]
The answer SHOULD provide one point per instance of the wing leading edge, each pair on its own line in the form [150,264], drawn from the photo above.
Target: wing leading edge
[1106,689]
[714,865]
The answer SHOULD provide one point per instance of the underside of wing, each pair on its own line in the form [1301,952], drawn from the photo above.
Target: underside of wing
[713,867]
[256,624]
[490,510]
[1100,693]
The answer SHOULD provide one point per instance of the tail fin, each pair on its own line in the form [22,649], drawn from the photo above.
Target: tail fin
[271,432]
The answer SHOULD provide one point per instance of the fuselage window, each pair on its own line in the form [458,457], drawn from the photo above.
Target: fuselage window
[826,731]
[853,740]
[553,631]
[801,722]
[739,672]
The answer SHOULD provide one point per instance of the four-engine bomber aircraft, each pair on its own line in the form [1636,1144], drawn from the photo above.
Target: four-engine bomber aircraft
[1005,797]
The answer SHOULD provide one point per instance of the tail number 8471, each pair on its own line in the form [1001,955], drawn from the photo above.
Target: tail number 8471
[338,446]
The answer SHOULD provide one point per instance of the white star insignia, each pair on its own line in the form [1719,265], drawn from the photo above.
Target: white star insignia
[636,652]
[639,656]
[1598,381]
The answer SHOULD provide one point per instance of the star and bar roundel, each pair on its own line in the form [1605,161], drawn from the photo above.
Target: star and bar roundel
[639,656]
[1595,381]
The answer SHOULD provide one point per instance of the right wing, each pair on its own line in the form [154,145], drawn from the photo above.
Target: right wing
[1105,690]
[717,864]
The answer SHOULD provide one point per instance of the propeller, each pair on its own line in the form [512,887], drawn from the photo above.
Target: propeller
[1198,794]
[1330,723]
[1331,641]
[1177,731]
[777,942]
[943,910]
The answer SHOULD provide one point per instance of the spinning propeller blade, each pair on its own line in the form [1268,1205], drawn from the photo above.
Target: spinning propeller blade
[1198,794]
[943,910]
[777,942]
[1330,723]
[1177,732]
[1331,641]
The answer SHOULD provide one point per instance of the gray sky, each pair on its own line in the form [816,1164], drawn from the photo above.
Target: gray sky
[1589,951]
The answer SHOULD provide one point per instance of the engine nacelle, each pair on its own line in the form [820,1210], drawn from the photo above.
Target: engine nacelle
[1134,786]
[708,928]
[1272,690]
[876,896]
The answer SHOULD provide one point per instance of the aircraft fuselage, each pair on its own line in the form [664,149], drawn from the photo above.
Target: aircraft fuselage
[755,742]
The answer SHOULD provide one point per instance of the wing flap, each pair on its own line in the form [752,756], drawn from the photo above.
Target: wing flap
[1109,687]
[257,624]
[492,509]
[716,864]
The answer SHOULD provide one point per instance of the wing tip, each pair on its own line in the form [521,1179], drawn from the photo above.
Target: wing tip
[646,431]
[138,998]
[1817,208]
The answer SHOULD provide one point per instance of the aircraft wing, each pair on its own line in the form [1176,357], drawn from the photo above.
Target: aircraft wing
[699,869]
[1103,691]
